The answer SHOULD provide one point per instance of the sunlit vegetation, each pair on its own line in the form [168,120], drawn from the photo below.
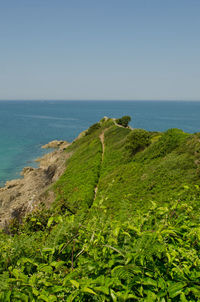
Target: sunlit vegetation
[137,240]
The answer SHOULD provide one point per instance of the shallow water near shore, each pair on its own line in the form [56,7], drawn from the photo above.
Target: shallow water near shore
[27,125]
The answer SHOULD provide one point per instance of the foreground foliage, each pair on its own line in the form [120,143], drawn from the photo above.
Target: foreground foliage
[138,239]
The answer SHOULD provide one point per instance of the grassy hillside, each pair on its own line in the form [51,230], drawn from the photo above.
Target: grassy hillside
[159,172]
[124,225]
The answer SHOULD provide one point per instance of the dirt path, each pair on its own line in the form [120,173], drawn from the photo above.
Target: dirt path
[101,136]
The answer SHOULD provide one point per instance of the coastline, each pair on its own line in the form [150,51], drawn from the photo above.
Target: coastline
[22,195]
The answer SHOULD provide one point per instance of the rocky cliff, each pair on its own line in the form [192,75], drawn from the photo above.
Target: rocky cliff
[22,195]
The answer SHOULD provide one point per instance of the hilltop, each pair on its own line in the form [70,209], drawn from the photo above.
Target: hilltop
[116,219]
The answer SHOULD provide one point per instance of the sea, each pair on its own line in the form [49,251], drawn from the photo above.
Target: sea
[27,125]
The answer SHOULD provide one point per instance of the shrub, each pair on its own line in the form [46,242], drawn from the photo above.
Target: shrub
[137,140]
[123,121]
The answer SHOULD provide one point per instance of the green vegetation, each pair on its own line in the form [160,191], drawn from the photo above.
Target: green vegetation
[123,121]
[92,128]
[136,238]
[138,140]
[76,186]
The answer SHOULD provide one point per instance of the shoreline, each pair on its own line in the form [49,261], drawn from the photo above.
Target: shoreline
[22,195]
[34,162]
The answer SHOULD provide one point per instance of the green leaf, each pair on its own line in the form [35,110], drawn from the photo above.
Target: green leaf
[149,281]
[50,221]
[113,295]
[48,250]
[59,218]
[88,290]
[57,264]
[132,296]
[7,296]
[116,231]
[52,298]
[57,288]
[45,268]
[75,283]
[26,260]
[183,298]
[33,219]
[151,296]
[72,296]
[35,292]
[102,289]
[175,289]
[22,297]
[16,273]
[33,280]
[161,283]
[44,297]
[61,247]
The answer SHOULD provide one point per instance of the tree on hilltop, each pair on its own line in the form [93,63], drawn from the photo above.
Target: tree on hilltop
[124,120]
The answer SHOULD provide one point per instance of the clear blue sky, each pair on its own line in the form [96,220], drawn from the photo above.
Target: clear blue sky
[100,49]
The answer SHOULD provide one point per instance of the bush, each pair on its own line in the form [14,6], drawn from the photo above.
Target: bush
[137,140]
[123,121]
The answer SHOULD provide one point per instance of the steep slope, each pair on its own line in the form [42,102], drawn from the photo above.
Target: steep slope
[124,225]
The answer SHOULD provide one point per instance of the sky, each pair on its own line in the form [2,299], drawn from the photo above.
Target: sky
[100,49]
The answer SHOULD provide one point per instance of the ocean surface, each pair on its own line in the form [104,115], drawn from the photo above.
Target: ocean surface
[27,125]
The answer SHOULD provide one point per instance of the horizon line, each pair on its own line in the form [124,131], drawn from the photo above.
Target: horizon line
[104,100]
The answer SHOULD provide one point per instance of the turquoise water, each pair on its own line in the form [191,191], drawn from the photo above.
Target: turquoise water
[27,125]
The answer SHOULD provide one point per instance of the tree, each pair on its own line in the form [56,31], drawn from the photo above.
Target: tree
[124,120]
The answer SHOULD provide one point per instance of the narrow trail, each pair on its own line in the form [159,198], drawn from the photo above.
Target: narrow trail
[101,136]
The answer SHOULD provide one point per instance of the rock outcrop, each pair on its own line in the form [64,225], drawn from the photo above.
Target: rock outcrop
[56,144]
[20,196]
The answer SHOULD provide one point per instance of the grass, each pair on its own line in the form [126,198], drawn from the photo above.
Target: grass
[76,186]
[159,172]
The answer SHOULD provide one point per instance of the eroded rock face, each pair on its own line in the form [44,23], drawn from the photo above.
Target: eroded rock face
[20,196]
